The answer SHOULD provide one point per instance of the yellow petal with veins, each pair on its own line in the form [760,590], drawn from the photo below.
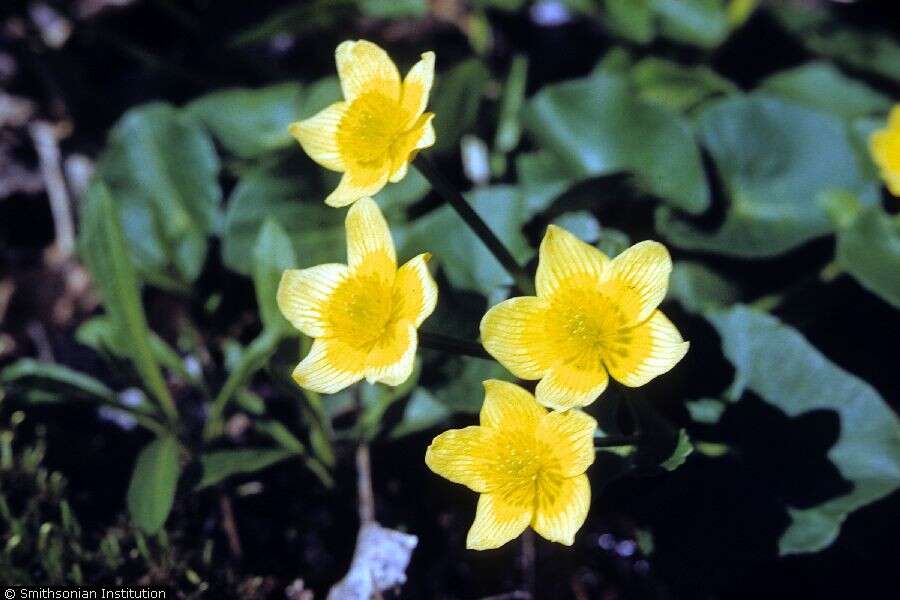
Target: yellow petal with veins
[638,355]
[463,456]
[513,333]
[643,270]
[562,507]
[363,66]
[302,293]
[415,292]
[508,406]
[368,234]
[318,136]
[562,257]
[496,522]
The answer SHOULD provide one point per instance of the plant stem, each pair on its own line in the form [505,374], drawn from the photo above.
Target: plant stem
[365,493]
[438,341]
[614,441]
[521,280]
[252,360]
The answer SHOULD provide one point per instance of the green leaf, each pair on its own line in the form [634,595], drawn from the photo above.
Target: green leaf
[468,264]
[455,102]
[700,289]
[62,382]
[769,155]
[222,464]
[153,482]
[867,50]
[780,366]
[676,86]
[682,450]
[868,246]
[701,23]
[464,391]
[315,230]
[596,126]
[377,398]
[509,121]
[631,19]
[820,85]
[250,122]
[273,255]
[423,411]
[99,333]
[103,248]
[162,169]
[706,410]
[394,9]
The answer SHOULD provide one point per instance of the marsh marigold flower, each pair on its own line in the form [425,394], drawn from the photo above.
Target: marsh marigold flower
[592,317]
[376,131]
[363,315]
[885,148]
[527,463]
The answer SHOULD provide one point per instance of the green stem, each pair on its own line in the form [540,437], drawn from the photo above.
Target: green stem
[615,441]
[520,278]
[446,343]
[253,358]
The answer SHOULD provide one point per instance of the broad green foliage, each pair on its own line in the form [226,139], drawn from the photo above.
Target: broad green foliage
[871,51]
[701,23]
[463,390]
[250,122]
[868,246]
[104,249]
[315,230]
[595,126]
[768,153]
[467,263]
[706,410]
[162,171]
[152,488]
[700,289]
[778,364]
[820,85]
[456,100]
[676,86]
[273,255]
[217,466]
[423,411]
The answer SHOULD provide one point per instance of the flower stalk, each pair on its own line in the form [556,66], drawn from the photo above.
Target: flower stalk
[429,170]
[446,343]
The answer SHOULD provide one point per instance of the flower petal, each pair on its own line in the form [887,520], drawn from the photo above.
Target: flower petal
[507,406]
[392,358]
[415,292]
[462,456]
[417,87]
[561,507]
[513,333]
[566,386]
[358,183]
[643,270]
[563,256]
[404,149]
[302,294]
[571,435]
[368,234]
[639,354]
[318,136]
[362,67]
[496,522]
[328,368]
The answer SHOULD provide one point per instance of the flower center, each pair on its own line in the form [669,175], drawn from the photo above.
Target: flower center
[361,309]
[583,320]
[522,465]
[370,127]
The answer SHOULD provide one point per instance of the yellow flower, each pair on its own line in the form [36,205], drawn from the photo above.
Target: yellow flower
[592,318]
[528,465]
[885,147]
[376,131]
[363,315]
